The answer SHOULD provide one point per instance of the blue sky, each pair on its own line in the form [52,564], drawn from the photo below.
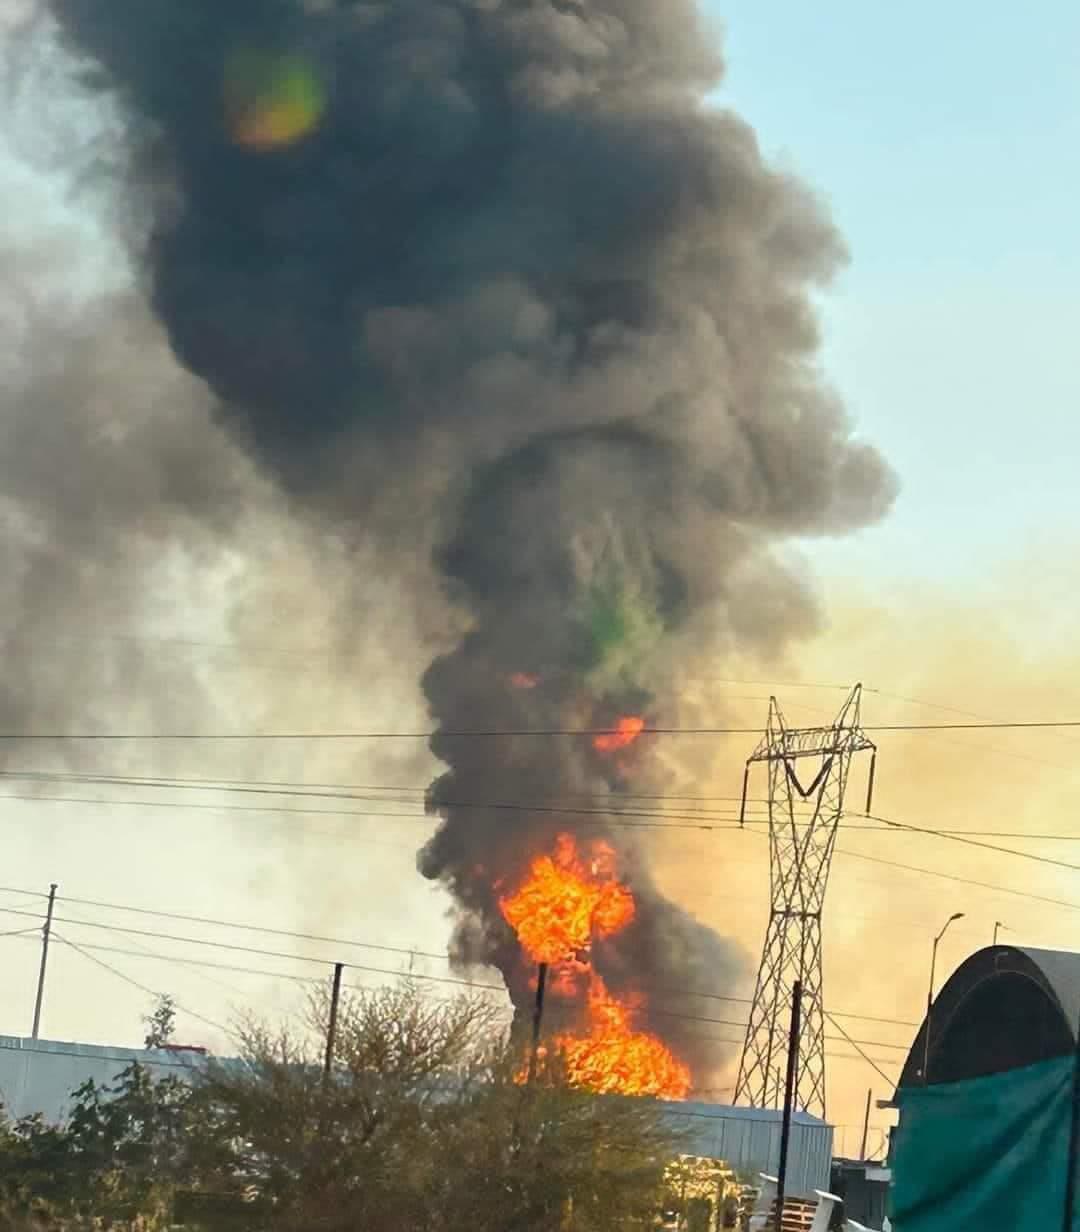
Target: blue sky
[946,139]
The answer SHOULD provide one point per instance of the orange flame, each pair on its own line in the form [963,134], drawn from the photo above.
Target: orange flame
[627,730]
[563,903]
[558,909]
[615,1058]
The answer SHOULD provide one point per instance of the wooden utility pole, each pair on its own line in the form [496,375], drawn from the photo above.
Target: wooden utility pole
[866,1124]
[46,932]
[538,1017]
[789,1097]
[331,1027]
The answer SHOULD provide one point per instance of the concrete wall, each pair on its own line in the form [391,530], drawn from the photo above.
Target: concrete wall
[40,1075]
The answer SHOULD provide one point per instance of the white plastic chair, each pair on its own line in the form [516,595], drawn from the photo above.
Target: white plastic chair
[826,1204]
[759,1218]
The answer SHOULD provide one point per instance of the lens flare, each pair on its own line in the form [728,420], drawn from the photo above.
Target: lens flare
[626,731]
[621,627]
[272,100]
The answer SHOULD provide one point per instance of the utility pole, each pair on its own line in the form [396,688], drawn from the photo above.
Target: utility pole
[534,1056]
[789,1097]
[46,932]
[538,1016]
[866,1124]
[331,1028]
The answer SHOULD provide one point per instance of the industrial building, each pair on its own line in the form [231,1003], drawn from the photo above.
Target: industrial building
[39,1076]
[748,1141]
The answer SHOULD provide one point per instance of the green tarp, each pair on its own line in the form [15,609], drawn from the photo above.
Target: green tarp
[987,1155]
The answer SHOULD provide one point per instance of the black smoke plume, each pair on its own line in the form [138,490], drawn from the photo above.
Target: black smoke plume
[503,252]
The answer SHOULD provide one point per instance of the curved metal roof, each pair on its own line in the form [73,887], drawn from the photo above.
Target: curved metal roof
[1003,1007]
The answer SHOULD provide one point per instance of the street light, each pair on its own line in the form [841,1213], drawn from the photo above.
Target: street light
[998,925]
[959,915]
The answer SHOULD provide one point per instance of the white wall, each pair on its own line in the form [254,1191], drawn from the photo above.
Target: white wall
[40,1075]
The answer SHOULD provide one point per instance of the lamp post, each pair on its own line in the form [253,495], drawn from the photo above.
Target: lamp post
[959,915]
[997,926]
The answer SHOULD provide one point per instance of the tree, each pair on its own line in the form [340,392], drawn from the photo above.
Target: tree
[116,1162]
[423,1126]
[161,1023]
[34,1174]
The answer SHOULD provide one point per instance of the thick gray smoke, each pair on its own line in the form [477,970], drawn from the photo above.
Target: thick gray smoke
[497,260]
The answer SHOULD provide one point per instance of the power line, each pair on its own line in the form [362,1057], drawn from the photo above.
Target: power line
[608,818]
[410,951]
[336,789]
[495,734]
[972,842]
[135,983]
[679,822]
[170,958]
[202,962]
[855,1044]
[934,872]
[221,945]
[274,932]
[83,950]
[245,949]
[388,795]
[196,962]
[662,819]
[982,885]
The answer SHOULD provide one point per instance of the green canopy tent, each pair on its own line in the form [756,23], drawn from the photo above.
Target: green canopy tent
[986,1136]
[986,1154]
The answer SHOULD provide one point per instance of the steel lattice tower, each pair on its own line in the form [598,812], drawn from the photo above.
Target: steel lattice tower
[800,852]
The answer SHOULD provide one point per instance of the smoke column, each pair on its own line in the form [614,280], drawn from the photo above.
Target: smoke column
[495,265]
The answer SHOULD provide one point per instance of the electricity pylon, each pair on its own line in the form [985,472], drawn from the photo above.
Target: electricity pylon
[800,852]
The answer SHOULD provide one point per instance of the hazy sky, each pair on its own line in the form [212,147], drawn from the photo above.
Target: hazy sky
[944,139]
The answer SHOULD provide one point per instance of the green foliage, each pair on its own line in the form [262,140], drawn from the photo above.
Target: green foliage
[421,1126]
[161,1024]
[115,1162]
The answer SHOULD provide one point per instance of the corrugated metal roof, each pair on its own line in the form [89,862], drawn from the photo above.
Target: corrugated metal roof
[1052,976]
[734,1112]
[1062,971]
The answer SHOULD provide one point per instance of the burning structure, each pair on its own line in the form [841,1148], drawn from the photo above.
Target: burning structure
[490,275]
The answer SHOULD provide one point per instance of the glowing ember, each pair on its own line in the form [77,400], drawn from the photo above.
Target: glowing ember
[627,730]
[524,680]
[614,1058]
[564,903]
